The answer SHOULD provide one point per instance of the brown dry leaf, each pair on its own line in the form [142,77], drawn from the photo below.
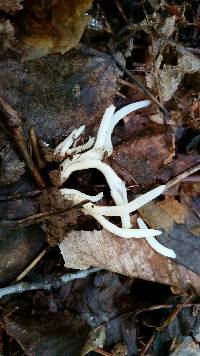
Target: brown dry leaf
[53,27]
[180,227]
[146,151]
[10,6]
[134,258]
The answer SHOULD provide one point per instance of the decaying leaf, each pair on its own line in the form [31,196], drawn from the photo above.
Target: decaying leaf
[181,229]
[53,26]
[171,76]
[55,334]
[56,101]
[95,339]
[134,258]
[10,6]
[18,248]
[147,151]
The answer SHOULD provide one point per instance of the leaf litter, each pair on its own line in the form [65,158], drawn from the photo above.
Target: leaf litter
[56,94]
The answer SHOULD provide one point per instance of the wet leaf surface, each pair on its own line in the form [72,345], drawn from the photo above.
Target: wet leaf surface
[56,102]
[17,249]
[56,334]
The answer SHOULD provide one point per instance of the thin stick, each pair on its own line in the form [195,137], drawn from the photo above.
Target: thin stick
[139,84]
[182,176]
[19,288]
[12,122]
[36,153]
[119,6]
[36,218]
[31,266]
[102,352]
[149,343]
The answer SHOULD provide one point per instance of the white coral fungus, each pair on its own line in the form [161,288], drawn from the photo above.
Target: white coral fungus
[85,157]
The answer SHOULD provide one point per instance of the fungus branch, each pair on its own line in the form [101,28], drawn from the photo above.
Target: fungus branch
[93,159]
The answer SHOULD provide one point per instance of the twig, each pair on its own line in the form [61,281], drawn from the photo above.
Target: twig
[119,6]
[12,122]
[182,176]
[102,352]
[31,266]
[172,315]
[19,288]
[163,306]
[36,153]
[138,83]
[149,343]
[36,218]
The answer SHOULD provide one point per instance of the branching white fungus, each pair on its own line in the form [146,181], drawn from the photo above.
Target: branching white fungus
[83,159]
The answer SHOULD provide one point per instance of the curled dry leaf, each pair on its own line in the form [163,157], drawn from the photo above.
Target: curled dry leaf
[134,258]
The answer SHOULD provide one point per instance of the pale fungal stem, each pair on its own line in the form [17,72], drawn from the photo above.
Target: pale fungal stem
[104,128]
[81,148]
[117,186]
[93,159]
[77,197]
[62,148]
[162,250]
[120,114]
[90,209]
[133,205]
[125,233]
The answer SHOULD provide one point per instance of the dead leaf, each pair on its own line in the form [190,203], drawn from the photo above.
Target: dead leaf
[187,347]
[48,98]
[134,258]
[178,165]
[139,159]
[190,196]
[96,338]
[10,6]
[53,27]
[180,227]
[17,249]
[54,334]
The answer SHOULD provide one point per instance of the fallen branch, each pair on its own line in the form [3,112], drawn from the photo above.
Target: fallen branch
[12,123]
[19,288]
